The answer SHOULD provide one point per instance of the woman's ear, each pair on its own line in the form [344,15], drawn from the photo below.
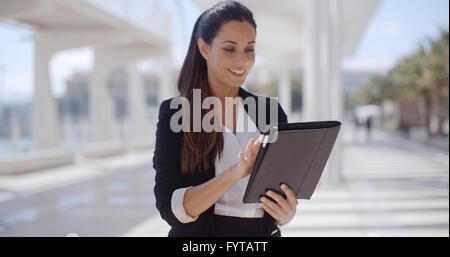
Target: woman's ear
[203,47]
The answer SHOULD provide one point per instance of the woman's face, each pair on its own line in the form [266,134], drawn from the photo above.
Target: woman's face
[231,55]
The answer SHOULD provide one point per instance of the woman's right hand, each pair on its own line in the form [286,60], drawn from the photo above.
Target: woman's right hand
[244,166]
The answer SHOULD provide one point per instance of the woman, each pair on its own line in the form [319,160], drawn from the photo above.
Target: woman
[201,176]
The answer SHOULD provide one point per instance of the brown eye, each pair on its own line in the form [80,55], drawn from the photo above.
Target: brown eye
[229,49]
[250,50]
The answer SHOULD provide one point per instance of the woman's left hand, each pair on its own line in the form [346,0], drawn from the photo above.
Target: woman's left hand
[283,210]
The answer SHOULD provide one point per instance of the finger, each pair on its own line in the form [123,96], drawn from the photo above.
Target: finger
[274,206]
[248,149]
[257,144]
[270,211]
[260,137]
[285,206]
[292,199]
[241,158]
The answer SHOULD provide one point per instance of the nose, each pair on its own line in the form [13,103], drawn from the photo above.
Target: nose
[242,60]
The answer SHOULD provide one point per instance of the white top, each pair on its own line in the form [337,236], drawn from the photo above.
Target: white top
[230,204]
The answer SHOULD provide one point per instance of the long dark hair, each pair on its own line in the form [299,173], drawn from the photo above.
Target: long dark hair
[200,148]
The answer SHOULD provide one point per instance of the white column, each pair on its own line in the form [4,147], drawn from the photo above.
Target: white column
[311,87]
[136,103]
[106,58]
[325,50]
[323,93]
[285,93]
[167,84]
[83,128]
[100,103]
[336,90]
[45,112]
[14,129]
[48,41]
[68,132]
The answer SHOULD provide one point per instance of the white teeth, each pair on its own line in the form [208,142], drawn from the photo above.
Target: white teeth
[237,71]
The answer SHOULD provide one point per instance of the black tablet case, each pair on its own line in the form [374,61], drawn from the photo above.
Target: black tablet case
[297,158]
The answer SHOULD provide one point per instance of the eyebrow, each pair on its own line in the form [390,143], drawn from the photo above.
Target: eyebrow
[229,41]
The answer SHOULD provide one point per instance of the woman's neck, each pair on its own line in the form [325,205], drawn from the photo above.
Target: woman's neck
[221,91]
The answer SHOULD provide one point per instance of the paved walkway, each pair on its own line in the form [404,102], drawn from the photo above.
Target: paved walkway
[392,187]
[104,197]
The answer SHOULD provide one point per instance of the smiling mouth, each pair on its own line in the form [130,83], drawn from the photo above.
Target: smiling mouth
[237,72]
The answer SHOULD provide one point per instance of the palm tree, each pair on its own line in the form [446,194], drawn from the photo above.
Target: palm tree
[422,79]
[419,84]
[438,67]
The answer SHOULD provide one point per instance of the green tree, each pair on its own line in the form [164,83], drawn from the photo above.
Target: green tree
[420,79]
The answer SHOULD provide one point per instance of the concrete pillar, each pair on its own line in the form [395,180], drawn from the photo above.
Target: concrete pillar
[311,87]
[336,90]
[106,58]
[168,83]
[100,103]
[68,132]
[121,42]
[45,113]
[48,41]
[285,93]
[136,103]
[323,93]
[83,128]
[15,136]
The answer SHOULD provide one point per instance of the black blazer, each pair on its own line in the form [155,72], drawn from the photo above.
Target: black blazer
[168,178]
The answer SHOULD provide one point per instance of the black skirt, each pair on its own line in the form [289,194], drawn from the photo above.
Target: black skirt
[228,226]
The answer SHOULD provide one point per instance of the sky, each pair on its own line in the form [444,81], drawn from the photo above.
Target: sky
[394,31]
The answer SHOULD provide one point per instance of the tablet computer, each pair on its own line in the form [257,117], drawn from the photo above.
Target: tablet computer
[296,158]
